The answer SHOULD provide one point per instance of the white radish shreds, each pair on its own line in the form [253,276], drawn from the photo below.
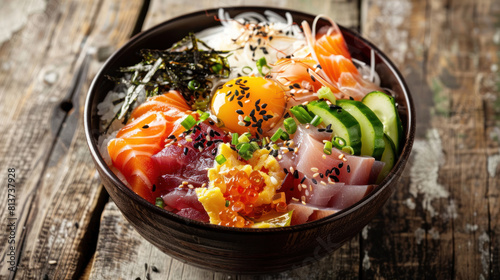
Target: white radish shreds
[251,36]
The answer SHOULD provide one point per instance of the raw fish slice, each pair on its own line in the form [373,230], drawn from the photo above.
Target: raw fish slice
[131,152]
[181,198]
[171,103]
[300,213]
[351,170]
[349,195]
[299,189]
[193,214]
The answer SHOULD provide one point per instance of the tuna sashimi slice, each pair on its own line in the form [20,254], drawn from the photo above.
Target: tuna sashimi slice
[349,195]
[339,167]
[300,213]
[194,214]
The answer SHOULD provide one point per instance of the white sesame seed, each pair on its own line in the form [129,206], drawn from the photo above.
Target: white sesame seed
[308,126]
[52,262]
[280,157]
[274,181]
[307,192]
[291,169]
[204,185]
[295,150]
[315,175]
[323,156]
[299,187]
[190,186]
[311,187]
[293,91]
[314,169]
[323,183]
[303,198]
[185,182]
[295,199]
[341,156]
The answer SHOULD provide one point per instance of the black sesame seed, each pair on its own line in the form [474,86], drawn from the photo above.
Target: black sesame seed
[321,175]
[341,165]
[154,269]
[296,85]
[216,133]
[348,169]
[240,112]
[350,97]
[264,117]
[329,126]
[240,97]
[334,178]
[154,188]
[321,130]
[244,88]
[296,174]
[252,113]
[185,150]
[210,143]
[314,181]
[264,105]
[236,92]
[259,129]
[337,171]
[329,130]
[303,179]
[214,152]
[211,122]
[290,87]
[333,107]
[285,170]
[145,126]
[231,98]
[240,103]
[263,112]
[313,79]
[228,93]
[171,137]
[269,116]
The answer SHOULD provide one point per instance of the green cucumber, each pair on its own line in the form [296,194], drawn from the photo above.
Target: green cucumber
[342,123]
[384,107]
[372,129]
[388,157]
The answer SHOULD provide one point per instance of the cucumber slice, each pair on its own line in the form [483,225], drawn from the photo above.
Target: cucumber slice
[388,157]
[372,129]
[384,107]
[343,124]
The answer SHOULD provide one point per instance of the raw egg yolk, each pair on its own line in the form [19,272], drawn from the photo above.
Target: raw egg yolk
[249,104]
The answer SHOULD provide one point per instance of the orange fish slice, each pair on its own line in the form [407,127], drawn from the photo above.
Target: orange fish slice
[131,151]
[171,103]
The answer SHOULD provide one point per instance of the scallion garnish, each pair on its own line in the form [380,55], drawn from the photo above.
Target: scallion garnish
[290,125]
[262,63]
[188,122]
[159,202]
[243,139]
[227,203]
[301,114]
[220,159]
[348,149]
[276,135]
[247,119]
[316,120]
[327,149]
[338,142]
[284,136]
[234,139]
[194,85]
[326,93]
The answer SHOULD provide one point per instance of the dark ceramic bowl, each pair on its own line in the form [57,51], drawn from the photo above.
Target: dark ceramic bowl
[233,249]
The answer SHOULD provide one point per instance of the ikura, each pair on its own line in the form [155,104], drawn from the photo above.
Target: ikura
[241,191]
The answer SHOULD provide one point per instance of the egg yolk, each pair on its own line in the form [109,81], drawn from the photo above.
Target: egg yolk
[249,104]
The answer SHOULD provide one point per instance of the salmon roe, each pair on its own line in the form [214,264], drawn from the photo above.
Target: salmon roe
[241,193]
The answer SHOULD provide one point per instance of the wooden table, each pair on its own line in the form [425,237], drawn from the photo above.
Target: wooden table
[442,223]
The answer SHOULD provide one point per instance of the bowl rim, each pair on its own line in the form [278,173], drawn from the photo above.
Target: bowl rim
[98,159]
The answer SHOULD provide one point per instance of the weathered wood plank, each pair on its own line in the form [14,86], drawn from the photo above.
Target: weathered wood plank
[57,188]
[439,223]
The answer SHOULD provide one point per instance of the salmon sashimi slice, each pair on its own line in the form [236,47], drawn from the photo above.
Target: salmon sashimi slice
[150,125]
[338,71]
[172,104]
[131,152]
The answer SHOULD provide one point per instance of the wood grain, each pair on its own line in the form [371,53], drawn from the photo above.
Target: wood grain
[58,191]
[439,224]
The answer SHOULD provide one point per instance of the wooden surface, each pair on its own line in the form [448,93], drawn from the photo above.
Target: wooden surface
[441,223]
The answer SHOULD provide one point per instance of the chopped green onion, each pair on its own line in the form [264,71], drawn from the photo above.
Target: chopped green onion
[220,159]
[194,85]
[234,139]
[338,142]
[246,70]
[159,202]
[243,139]
[188,122]
[204,117]
[245,151]
[290,125]
[301,114]
[327,149]
[284,136]
[247,119]
[264,142]
[316,120]
[227,203]
[348,149]
[217,68]
[262,63]
[326,93]
[254,145]
[276,135]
